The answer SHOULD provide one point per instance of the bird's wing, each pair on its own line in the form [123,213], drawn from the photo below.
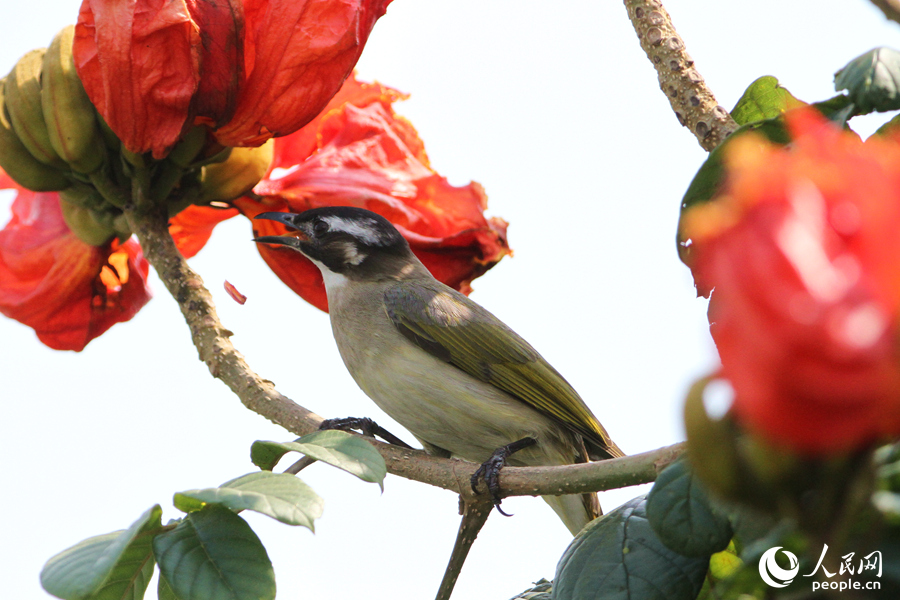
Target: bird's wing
[455,329]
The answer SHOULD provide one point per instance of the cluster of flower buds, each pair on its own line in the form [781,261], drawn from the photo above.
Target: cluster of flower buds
[53,139]
[209,111]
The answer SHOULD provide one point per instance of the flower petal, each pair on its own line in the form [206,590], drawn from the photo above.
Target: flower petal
[297,53]
[55,283]
[368,157]
[139,61]
[801,252]
[221,25]
[192,227]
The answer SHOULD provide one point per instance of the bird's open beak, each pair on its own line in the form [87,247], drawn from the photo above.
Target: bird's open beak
[286,219]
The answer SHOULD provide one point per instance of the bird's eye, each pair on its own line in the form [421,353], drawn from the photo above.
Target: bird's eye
[320,227]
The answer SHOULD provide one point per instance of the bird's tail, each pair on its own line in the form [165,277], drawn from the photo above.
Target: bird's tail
[576,510]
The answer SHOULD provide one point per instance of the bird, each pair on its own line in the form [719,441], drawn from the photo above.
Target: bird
[455,376]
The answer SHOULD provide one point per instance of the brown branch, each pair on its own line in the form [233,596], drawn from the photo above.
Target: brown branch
[890,8]
[694,104]
[474,516]
[211,338]
[259,395]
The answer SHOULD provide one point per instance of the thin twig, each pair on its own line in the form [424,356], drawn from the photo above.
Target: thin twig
[694,104]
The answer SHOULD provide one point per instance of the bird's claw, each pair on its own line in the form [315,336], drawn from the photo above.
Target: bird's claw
[367,426]
[490,470]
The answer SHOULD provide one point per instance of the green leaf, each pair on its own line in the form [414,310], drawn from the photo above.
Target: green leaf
[763,99]
[280,496]
[872,81]
[117,565]
[214,555]
[837,109]
[618,557]
[724,564]
[710,178]
[681,514]
[337,448]
[164,590]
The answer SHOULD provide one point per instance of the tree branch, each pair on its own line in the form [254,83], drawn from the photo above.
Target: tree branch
[693,102]
[890,8]
[211,338]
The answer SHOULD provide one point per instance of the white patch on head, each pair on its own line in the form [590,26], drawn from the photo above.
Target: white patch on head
[366,230]
[352,254]
[333,281]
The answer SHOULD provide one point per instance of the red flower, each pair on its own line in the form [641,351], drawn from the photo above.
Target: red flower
[192,227]
[251,69]
[802,255]
[69,292]
[359,153]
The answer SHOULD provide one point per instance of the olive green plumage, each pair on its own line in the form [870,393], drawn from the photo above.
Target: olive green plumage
[456,330]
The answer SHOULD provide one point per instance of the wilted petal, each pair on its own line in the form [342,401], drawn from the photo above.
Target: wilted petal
[368,157]
[192,227]
[67,291]
[297,53]
[139,61]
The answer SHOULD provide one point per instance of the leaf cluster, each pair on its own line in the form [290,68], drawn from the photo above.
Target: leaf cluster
[211,552]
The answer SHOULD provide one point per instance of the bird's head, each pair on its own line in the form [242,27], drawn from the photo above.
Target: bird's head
[348,241]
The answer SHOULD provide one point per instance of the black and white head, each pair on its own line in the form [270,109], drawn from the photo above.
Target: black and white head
[353,243]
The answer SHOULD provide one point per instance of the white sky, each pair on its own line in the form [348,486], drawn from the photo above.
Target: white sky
[554,108]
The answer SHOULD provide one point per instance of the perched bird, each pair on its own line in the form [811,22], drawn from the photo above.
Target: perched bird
[461,381]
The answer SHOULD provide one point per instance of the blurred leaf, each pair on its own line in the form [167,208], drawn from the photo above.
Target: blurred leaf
[618,557]
[872,81]
[280,496]
[889,128]
[710,178]
[345,451]
[763,99]
[680,512]
[837,109]
[750,525]
[724,564]
[541,590]
[164,590]
[214,555]
[106,567]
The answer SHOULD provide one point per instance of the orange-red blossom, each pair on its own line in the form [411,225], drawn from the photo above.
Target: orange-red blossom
[356,152]
[801,253]
[250,69]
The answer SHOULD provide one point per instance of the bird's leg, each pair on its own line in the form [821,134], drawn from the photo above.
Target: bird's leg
[367,426]
[490,469]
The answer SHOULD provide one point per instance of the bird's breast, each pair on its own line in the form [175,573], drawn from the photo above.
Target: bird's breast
[437,402]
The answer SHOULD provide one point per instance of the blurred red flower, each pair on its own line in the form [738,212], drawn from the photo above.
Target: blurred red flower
[69,292]
[801,254]
[357,152]
[250,69]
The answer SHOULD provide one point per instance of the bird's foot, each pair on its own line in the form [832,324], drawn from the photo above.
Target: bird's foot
[490,470]
[366,426]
